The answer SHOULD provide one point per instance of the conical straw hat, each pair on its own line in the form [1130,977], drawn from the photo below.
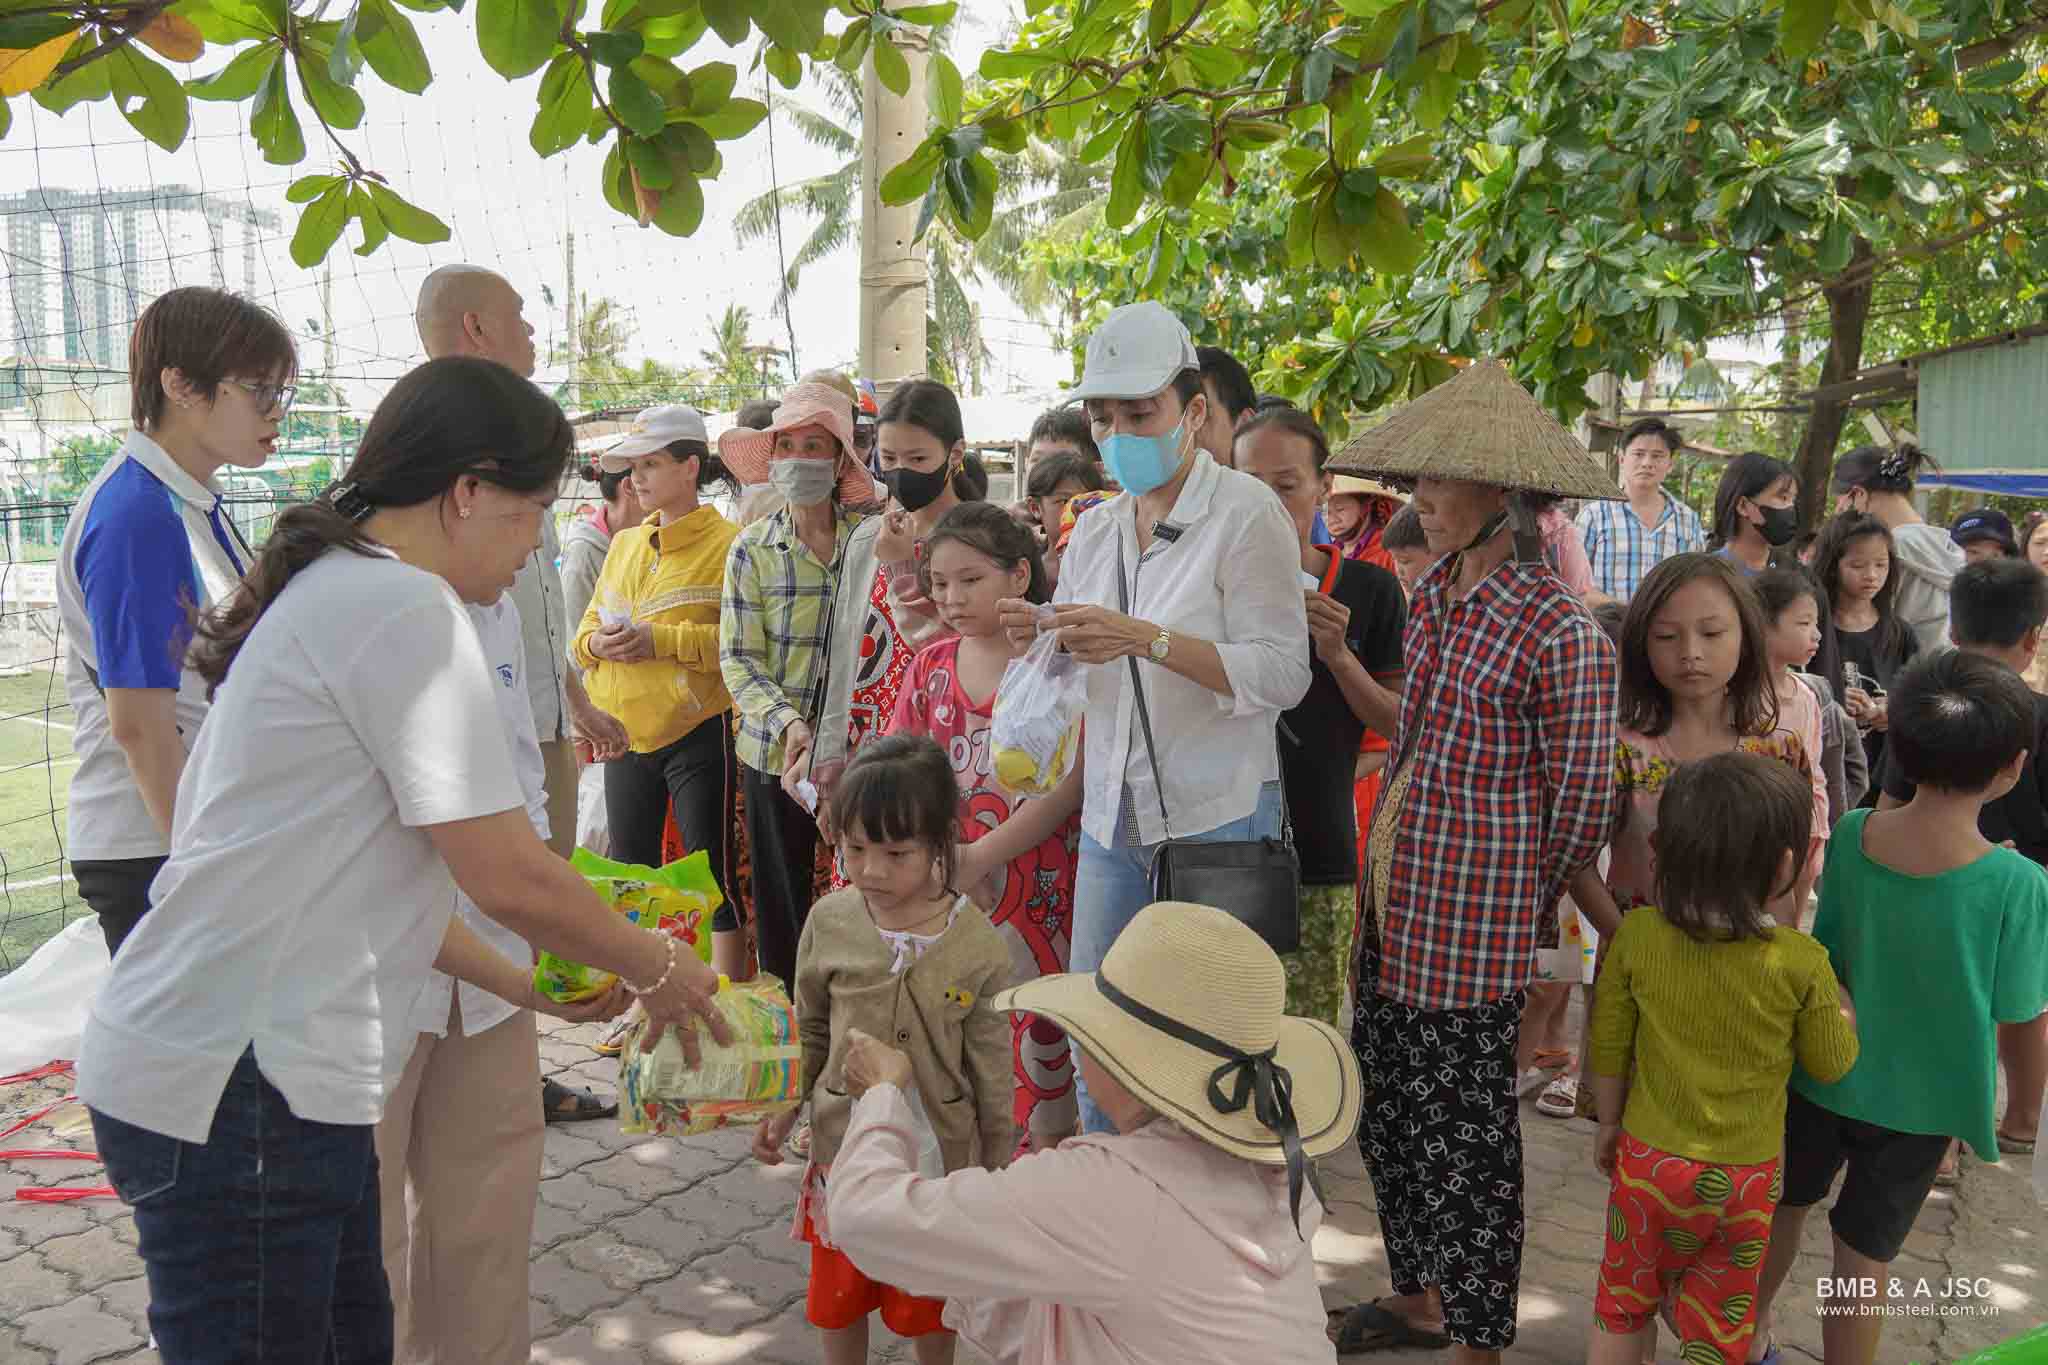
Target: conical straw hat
[1481,427]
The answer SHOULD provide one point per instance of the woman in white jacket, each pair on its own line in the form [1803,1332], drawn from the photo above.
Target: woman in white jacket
[1879,480]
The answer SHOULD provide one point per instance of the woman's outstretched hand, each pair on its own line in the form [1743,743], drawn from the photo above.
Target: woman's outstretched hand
[871,1062]
[683,1000]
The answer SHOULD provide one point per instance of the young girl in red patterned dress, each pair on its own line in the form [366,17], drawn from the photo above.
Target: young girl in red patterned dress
[1017,855]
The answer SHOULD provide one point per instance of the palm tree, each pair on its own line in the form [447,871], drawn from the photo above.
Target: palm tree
[733,358]
[1046,190]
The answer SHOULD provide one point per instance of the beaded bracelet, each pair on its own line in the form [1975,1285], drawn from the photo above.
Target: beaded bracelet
[656,987]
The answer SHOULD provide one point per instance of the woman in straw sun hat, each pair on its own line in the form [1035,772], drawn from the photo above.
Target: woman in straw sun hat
[1505,736]
[1184,1236]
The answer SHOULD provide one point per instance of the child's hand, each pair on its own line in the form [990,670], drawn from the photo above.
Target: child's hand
[871,1062]
[1605,1144]
[1877,713]
[769,1135]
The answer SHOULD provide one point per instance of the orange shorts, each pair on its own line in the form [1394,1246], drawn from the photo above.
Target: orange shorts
[841,1296]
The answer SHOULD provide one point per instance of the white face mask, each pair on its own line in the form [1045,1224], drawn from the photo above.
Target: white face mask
[806,483]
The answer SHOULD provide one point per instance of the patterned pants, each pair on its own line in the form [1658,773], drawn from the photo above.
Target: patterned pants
[1442,1138]
[1693,1227]
[1315,973]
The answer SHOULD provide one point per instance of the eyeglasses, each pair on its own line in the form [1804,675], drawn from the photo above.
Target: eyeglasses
[269,397]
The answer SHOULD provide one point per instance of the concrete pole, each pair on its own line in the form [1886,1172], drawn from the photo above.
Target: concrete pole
[575,342]
[893,274]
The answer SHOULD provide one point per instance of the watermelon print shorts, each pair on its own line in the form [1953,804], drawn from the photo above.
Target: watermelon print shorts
[1692,1232]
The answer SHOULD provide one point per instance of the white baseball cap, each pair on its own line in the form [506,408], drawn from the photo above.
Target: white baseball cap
[1138,350]
[654,429]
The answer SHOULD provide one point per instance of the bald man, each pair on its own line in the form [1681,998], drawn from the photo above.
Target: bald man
[459,1147]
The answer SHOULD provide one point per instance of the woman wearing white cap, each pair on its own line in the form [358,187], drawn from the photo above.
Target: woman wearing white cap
[648,648]
[1194,576]
[1184,1236]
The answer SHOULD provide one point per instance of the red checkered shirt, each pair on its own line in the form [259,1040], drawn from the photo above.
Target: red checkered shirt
[1509,712]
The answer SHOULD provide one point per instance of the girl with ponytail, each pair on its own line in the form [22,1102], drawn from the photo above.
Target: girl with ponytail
[1878,481]
[353,774]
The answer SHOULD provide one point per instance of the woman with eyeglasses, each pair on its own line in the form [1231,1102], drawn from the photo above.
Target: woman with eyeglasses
[210,373]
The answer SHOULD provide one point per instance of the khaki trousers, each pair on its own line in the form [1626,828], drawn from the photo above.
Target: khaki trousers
[459,1155]
[563,770]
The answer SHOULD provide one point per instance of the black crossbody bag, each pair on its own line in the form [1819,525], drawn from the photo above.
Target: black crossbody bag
[1255,881]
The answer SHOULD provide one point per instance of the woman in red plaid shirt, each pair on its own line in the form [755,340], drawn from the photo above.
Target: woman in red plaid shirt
[1501,769]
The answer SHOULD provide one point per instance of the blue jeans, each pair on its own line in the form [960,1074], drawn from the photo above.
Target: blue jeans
[1111,885]
[261,1243]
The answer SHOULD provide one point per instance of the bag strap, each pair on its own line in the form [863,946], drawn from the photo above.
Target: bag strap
[1123,592]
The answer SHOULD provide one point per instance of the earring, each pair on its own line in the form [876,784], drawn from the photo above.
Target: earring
[463,513]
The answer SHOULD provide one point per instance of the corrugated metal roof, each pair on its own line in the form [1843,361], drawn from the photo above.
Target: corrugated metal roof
[1986,408]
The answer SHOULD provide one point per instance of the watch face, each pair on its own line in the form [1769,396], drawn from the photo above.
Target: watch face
[1159,650]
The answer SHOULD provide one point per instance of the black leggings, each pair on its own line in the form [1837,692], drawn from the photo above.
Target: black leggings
[117,889]
[782,840]
[699,774]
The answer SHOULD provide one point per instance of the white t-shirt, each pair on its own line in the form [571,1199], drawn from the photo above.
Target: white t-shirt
[498,630]
[304,904]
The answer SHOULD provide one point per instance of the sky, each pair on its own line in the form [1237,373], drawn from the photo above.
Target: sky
[460,150]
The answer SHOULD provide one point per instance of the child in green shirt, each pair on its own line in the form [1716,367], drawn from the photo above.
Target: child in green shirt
[1942,936]
[1707,1000]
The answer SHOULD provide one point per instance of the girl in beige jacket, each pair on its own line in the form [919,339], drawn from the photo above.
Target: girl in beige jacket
[899,955]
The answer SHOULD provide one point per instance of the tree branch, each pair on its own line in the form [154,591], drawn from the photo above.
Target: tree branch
[139,17]
[1990,50]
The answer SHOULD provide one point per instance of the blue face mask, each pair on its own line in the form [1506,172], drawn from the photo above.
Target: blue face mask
[1143,463]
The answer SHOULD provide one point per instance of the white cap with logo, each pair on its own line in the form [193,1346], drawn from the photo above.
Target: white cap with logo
[1138,350]
[655,429]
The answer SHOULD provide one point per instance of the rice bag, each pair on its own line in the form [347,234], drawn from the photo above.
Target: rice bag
[758,1074]
[1035,734]
[676,900]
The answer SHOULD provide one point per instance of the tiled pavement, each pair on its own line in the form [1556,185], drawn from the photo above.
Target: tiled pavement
[671,1252]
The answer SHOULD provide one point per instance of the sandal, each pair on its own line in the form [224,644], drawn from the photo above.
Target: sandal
[560,1104]
[2015,1146]
[1531,1081]
[799,1143]
[1560,1099]
[1950,1173]
[1369,1327]
[1771,1356]
[614,1042]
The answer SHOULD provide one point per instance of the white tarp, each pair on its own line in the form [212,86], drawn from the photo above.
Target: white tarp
[43,1001]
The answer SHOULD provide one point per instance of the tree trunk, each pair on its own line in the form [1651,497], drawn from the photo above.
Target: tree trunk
[1848,310]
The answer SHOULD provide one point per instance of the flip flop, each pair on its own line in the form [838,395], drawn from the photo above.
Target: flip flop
[2014,1146]
[1771,1356]
[560,1104]
[1369,1327]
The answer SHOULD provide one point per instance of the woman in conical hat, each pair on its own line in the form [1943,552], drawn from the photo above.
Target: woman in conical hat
[1185,1235]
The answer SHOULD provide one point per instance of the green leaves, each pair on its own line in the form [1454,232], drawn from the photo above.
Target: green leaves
[729,19]
[1803,24]
[636,104]
[912,178]
[274,124]
[391,45]
[333,201]
[149,97]
[240,78]
[891,67]
[733,119]
[615,49]
[970,185]
[517,37]
[710,87]
[565,106]
[945,94]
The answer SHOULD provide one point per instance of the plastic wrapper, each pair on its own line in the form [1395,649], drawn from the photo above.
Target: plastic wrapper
[676,900]
[1035,735]
[758,1074]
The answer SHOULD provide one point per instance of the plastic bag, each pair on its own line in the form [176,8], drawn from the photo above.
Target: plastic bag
[1035,735]
[758,1074]
[593,826]
[43,1000]
[675,900]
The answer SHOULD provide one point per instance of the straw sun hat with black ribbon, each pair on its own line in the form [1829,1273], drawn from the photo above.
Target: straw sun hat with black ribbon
[1187,1012]
[1480,427]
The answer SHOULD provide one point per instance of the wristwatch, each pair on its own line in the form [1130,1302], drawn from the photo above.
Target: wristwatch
[1157,649]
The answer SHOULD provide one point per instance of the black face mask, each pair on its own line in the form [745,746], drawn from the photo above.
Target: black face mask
[1779,525]
[914,488]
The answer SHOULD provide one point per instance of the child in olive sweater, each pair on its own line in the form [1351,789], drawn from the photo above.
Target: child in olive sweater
[1706,1001]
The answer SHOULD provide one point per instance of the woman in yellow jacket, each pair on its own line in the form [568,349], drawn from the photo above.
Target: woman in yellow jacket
[648,647]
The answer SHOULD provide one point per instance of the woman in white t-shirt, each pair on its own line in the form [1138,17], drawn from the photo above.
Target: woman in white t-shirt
[353,773]
[1879,480]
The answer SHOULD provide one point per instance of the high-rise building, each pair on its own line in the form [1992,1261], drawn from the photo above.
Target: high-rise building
[81,265]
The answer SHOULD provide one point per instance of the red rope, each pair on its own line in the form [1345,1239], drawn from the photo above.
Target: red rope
[68,1194]
[48,1154]
[43,1072]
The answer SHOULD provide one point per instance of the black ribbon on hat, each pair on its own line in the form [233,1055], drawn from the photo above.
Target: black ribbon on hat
[1252,1078]
[348,499]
